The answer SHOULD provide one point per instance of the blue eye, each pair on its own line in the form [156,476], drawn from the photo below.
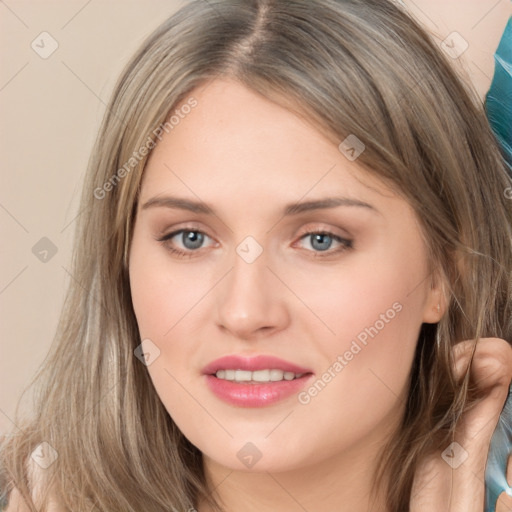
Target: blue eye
[193,239]
[322,241]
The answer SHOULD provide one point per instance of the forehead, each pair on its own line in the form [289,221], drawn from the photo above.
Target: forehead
[234,143]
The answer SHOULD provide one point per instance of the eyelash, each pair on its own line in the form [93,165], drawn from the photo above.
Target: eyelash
[346,244]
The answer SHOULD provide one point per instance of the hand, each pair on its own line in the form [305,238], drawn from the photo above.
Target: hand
[441,487]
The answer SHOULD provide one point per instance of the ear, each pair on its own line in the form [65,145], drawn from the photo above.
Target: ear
[436,302]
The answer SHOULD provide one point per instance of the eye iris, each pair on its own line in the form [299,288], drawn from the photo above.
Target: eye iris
[321,238]
[192,239]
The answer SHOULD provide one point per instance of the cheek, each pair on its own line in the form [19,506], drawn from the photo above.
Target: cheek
[372,310]
[166,299]
[379,296]
[161,295]
[161,299]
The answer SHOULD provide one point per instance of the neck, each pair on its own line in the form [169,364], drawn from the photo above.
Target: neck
[343,482]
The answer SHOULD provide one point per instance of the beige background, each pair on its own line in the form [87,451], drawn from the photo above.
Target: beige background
[50,110]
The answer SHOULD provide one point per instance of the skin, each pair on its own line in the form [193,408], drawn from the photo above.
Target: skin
[288,302]
[438,488]
[479,22]
[440,18]
[298,307]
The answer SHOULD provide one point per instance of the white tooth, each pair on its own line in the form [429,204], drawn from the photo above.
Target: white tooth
[276,375]
[261,375]
[243,375]
[257,376]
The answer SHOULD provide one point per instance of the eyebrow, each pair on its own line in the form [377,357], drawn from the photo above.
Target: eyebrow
[289,210]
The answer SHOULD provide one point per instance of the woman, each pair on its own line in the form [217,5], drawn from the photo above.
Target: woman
[292,283]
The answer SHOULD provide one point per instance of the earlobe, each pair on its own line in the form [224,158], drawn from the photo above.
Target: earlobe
[436,302]
[434,315]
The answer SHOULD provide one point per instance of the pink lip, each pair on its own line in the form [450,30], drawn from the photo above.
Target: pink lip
[254,394]
[262,362]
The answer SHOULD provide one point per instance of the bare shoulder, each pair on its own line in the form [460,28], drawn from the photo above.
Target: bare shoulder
[475,26]
[16,502]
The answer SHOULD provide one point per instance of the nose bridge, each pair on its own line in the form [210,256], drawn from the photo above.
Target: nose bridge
[251,299]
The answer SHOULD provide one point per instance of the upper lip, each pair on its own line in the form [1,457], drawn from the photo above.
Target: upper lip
[254,363]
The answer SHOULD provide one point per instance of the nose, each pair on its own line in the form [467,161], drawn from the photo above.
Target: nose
[252,300]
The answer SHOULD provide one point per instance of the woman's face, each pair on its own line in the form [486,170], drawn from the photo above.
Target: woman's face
[238,185]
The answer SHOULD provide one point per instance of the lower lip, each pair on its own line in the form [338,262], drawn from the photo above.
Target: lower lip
[255,395]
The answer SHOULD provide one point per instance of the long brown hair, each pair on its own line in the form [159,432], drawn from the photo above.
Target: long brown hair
[360,67]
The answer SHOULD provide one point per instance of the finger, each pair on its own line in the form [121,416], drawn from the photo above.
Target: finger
[491,375]
[491,372]
[491,365]
[504,503]
[461,357]
[453,481]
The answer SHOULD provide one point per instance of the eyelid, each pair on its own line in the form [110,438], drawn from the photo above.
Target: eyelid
[346,242]
[171,234]
[324,228]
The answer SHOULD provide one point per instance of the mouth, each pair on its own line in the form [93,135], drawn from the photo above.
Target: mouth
[255,381]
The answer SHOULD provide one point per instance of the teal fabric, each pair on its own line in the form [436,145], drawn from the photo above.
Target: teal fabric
[498,104]
[498,101]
